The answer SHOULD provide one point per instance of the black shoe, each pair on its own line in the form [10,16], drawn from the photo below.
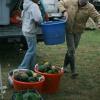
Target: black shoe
[74,75]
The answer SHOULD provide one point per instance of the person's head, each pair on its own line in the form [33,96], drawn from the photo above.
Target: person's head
[82,2]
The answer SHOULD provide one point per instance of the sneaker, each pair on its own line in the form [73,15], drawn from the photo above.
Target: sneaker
[74,75]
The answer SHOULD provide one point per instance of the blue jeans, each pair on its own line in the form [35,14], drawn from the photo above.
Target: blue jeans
[30,56]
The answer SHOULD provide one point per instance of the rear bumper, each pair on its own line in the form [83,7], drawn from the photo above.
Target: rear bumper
[13,33]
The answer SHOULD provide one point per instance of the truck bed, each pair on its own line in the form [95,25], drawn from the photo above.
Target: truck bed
[11,33]
[10,30]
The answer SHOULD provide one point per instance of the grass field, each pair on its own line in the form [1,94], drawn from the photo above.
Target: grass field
[85,87]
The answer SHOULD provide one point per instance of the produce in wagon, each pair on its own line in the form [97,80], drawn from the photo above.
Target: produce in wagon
[29,73]
[27,76]
[49,68]
[26,95]
[31,96]
[21,76]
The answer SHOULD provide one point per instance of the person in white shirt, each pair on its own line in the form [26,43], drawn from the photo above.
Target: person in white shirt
[31,17]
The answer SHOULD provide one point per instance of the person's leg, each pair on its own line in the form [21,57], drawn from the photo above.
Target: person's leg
[66,60]
[29,53]
[71,47]
[33,60]
[72,44]
[72,57]
[77,38]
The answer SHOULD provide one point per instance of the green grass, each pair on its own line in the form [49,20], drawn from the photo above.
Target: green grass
[85,87]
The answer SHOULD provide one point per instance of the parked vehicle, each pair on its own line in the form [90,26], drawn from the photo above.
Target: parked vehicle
[9,32]
[10,27]
[96,3]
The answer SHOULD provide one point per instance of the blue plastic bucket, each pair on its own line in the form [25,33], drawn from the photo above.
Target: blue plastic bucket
[54,32]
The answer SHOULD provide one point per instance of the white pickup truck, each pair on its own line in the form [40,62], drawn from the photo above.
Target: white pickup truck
[9,31]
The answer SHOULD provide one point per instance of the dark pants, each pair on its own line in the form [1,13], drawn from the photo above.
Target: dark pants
[72,43]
